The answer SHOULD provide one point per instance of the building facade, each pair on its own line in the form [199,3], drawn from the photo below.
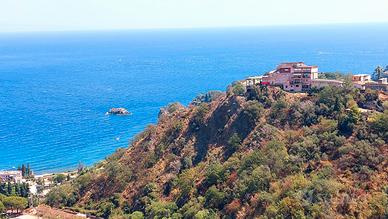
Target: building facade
[299,77]
[292,76]
[11,176]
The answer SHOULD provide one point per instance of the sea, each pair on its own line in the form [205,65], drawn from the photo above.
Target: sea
[56,87]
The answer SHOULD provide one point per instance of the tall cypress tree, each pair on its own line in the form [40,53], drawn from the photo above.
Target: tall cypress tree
[9,189]
[28,170]
[23,170]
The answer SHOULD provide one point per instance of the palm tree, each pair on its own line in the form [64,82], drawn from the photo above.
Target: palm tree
[378,73]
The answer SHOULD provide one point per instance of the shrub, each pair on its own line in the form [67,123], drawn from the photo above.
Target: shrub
[215,198]
[119,175]
[214,174]
[59,178]
[378,203]
[275,157]
[331,101]
[136,215]
[291,208]
[105,209]
[205,214]
[199,115]
[192,207]
[238,89]
[253,110]
[234,144]
[206,98]
[278,113]
[322,190]
[185,183]
[161,209]
[258,180]
[61,196]
[379,124]
[360,155]
[2,208]
[348,121]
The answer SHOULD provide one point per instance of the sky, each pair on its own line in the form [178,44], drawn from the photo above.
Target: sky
[63,15]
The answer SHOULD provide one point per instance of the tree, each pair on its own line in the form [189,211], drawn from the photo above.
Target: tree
[23,170]
[136,215]
[28,170]
[255,181]
[199,116]
[348,120]
[377,74]
[15,203]
[59,178]
[205,214]
[9,188]
[215,198]
[253,110]
[161,209]
[214,174]
[61,196]
[379,123]
[234,144]
[238,89]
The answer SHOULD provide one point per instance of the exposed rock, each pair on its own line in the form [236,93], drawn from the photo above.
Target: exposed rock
[118,111]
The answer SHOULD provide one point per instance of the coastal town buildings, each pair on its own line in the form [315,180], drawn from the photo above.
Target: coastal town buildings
[364,81]
[362,78]
[11,176]
[381,84]
[299,77]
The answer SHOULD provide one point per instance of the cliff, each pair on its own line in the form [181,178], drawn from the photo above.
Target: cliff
[251,153]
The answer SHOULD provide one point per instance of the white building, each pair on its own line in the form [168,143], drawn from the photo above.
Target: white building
[13,176]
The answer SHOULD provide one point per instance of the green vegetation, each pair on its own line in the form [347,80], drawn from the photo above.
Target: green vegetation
[12,203]
[380,72]
[333,76]
[268,154]
[26,170]
[14,189]
[207,97]
[238,89]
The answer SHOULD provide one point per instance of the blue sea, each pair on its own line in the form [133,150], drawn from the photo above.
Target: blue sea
[55,87]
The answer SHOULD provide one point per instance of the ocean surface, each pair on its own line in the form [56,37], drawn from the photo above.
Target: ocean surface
[55,88]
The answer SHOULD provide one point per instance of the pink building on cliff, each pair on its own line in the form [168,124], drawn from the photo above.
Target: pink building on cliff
[292,76]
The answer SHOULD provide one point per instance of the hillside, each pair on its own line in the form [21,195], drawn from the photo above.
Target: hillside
[261,153]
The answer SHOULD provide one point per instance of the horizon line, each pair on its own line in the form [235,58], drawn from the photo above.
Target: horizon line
[197,28]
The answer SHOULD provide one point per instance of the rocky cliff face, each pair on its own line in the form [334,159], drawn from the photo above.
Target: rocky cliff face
[256,153]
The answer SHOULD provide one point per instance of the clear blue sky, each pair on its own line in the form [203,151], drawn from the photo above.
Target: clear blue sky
[58,15]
